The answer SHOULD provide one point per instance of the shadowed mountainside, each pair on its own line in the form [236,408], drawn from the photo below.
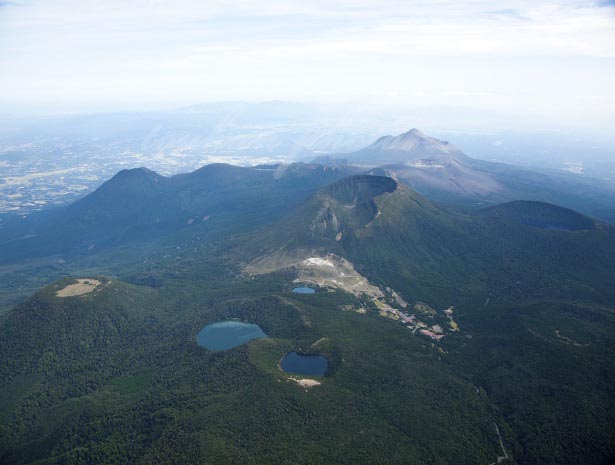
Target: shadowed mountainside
[139,205]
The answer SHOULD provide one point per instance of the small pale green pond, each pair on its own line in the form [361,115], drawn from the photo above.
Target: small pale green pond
[303,290]
[224,335]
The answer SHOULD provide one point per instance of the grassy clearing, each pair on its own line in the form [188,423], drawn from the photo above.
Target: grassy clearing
[81,287]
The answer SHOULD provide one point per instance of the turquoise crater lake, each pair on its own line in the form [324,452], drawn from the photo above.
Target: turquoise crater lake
[224,335]
[304,364]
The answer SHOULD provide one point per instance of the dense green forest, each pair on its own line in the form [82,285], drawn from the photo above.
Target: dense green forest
[115,375]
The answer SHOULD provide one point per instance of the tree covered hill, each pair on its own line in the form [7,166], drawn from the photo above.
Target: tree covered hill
[139,205]
[402,240]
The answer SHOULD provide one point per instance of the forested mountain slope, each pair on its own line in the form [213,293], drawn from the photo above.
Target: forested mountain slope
[452,337]
[138,205]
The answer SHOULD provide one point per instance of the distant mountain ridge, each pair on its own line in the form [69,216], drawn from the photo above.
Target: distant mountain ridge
[543,215]
[139,204]
[427,164]
[444,173]
[408,147]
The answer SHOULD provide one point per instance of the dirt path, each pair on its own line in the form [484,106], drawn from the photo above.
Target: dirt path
[304,317]
[322,339]
[500,458]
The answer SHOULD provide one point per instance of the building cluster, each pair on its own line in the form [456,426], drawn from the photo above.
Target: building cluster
[434,332]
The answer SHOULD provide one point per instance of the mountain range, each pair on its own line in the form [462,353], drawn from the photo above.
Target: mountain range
[453,335]
[139,204]
[443,172]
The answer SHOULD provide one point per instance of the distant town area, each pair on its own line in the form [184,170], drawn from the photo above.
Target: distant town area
[45,173]
[50,162]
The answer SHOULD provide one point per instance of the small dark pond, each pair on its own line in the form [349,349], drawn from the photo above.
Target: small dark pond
[303,290]
[223,335]
[304,364]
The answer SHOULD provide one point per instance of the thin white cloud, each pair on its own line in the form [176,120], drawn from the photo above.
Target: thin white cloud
[512,55]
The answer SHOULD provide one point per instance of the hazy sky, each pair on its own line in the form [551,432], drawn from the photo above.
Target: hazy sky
[553,61]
